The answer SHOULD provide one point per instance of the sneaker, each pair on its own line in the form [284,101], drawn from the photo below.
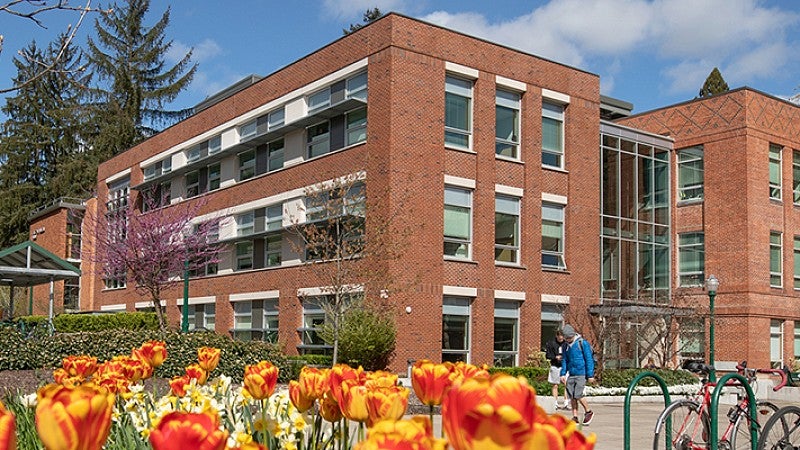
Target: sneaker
[566,406]
[587,418]
[575,419]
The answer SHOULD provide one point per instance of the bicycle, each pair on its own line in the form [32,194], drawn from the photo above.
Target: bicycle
[691,423]
[782,430]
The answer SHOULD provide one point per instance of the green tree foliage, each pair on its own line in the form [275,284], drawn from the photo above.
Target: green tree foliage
[128,58]
[43,130]
[366,337]
[714,84]
[370,15]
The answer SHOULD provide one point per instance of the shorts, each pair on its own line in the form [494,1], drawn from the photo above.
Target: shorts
[554,377]
[575,385]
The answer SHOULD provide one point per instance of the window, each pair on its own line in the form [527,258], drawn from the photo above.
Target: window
[506,229]
[506,333]
[275,155]
[204,315]
[357,86]
[797,262]
[248,130]
[796,176]
[244,224]
[552,135]
[274,218]
[149,172]
[166,165]
[192,184]
[272,250]
[319,142]
[247,165]
[319,99]
[796,341]
[214,145]
[691,259]
[776,343]
[455,329]
[356,126]
[775,259]
[194,153]
[313,318]
[691,338]
[457,222]
[270,320]
[690,173]
[507,124]
[553,236]
[242,320]
[214,177]
[275,119]
[775,173]
[209,316]
[244,255]
[458,113]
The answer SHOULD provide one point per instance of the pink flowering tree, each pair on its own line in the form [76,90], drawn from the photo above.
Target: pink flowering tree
[150,250]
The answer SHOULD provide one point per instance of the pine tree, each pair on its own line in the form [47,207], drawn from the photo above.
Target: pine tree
[714,84]
[43,129]
[370,15]
[128,58]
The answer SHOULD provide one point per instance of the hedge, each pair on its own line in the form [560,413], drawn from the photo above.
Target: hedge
[19,353]
[73,323]
[611,378]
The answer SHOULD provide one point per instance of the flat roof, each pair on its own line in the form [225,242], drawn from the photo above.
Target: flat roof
[28,264]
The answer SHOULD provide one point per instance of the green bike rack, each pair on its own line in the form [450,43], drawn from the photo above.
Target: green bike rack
[714,410]
[627,410]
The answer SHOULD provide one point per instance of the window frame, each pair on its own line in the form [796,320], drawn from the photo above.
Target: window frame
[245,224]
[215,144]
[515,247]
[693,278]
[776,333]
[214,182]
[559,117]
[690,192]
[776,275]
[356,127]
[455,240]
[353,90]
[241,257]
[192,188]
[272,252]
[275,155]
[506,310]
[321,139]
[559,254]
[270,312]
[238,315]
[776,186]
[248,130]
[455,306]
[248,165]
[504,101]
[325,94]
[456,87]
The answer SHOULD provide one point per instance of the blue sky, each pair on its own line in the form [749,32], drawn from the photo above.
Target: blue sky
[652,53]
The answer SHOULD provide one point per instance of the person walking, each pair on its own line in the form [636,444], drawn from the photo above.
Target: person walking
[578,362]
[553,350]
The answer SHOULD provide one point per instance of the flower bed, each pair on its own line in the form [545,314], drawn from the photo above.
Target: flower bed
[94,405]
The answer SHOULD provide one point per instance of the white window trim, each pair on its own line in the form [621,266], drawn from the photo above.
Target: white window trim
[509,190]
[563,119]
[555,97]
[563,251]
[471,97]
[462,71]
[780,259]
[459,182]
[778,186]
[680,247]
[198,300]
[469,242]
[508,83]
[259,295]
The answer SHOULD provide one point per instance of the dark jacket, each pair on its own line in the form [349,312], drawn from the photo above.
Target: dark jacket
[551,350]
[578,359]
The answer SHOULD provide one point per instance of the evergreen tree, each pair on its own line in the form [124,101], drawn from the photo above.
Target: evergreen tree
[43,129]
[370,15]
[713,85]
[128,58]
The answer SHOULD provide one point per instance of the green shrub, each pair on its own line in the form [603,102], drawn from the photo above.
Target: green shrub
[623,377]
[19,353]
[74,323]
[366,337]
[296,363]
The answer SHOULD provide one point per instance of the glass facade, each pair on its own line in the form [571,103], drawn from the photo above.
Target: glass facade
[635,207]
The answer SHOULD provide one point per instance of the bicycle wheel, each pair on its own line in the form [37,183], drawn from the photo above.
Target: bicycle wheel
[782,430]
[740,436]
[689,427]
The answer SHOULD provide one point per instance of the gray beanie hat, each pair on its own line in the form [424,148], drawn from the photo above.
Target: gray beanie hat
[568,332]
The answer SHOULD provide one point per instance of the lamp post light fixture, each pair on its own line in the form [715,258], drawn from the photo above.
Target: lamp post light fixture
[712,284]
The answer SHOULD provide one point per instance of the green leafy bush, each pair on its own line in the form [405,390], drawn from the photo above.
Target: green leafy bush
[74,323]
[623,377]
[366,337]
[296,363]
[18,353]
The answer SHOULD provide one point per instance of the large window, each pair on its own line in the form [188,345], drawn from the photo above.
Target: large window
[775,172]
[455,329]
[214,177]
[552,135]
[202,316]
[507,124]
[775,259]
[192,184]
[458,112]
[553,236]
[245,224]
[457,222]
[506,333]
[242,320]
[690,173]
[255,320]
[270,321]
[797,262]
[356,126]
[247,165]
[313,319]
[319,142]
[691,259]
[776,343]
[319,99]
[506,229]
[275,155]
[272,249]
[244,255]
[357,86]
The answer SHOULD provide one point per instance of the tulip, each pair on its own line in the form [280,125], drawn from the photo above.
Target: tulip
[300,401]
[82,366]
[260,379]
[180,430]
[8,432]
[208,357]
[152,352]
[329,409]
[354,401]
[489,413]
[76,418]
[430,381]
[178,385]
[464,370]
[341,373]
[62,377]
[197,372]
[381,378]
[386,403]
[413,434]
[314,382]
[115,383]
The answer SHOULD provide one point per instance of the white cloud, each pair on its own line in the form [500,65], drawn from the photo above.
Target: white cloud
[759,62]
[206,49]
[352,9]
[205,84]
[688,76]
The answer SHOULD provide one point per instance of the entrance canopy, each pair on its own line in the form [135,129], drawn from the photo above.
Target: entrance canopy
[28,264]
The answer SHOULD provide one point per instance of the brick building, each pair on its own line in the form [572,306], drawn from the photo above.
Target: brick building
[737,215]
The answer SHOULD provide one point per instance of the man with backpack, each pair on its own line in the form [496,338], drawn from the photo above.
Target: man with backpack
[578,362]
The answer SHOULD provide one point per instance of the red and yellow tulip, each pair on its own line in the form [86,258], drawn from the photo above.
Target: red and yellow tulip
[152,352]
[182,430]
[260,379]
[8,432]
[298,398]
[329,409]
[178,385]
[413,434]
[76,418]
[197,372]
[430,381]
[208,358]
[314,382]
[341,373]
[82,366]
[386,403]
[354,401]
